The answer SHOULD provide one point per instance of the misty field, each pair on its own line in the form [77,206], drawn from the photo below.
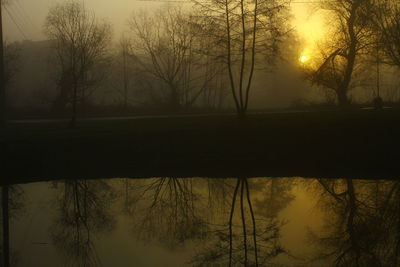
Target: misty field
[356,144]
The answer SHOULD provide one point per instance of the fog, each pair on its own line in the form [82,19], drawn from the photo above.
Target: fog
[279,81]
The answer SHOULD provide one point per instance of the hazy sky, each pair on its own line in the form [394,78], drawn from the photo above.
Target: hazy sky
[29,15]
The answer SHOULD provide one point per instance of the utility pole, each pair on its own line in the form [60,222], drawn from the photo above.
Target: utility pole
[2,82]
[377,73]
[125,76]
[124,45]
[4,191]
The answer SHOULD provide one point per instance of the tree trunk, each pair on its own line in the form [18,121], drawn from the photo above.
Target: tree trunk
[343,100]
[74,103]
[174,99]
[350,58]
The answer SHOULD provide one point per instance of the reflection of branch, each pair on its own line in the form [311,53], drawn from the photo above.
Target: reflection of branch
[170,211]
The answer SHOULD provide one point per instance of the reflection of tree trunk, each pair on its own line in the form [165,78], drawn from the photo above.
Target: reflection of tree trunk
[253,221]
[231,221]
[243,183]
[350,221]
[6,236]
[243,223]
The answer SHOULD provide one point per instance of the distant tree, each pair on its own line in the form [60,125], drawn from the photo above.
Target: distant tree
[11,61]
[10,68]
[350,36]
[81,43]
[387,26]
[165,48]
[243,30]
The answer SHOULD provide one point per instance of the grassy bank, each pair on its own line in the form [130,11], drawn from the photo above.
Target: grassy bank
[354,144]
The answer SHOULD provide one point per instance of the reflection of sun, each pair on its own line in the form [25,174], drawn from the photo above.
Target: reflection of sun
[303,59]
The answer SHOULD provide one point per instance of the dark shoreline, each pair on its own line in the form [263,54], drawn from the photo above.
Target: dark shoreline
[347,144]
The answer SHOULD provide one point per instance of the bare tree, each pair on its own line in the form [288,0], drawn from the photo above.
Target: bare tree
[11,61]
[81,44]
[387,27]
[165,48]
[350,36]
[243,29]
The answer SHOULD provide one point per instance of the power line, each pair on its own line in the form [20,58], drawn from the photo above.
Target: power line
[18,16]
[16,24]
[23,11]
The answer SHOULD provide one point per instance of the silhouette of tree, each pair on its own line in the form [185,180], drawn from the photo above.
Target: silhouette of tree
[386,20]
[164,48]
[350,35]
[84,210]
[11,61]
[243,30]
[10,67]
[81,45]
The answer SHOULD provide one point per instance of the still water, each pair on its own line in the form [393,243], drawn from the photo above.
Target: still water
[205,222]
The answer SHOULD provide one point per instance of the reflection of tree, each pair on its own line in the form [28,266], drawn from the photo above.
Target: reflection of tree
[5,224]
[170,210]
[232,241]
[362,222]
[84,207]
[12,203]
[276,195]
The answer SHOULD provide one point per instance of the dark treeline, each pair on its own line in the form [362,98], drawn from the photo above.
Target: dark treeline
[224,55]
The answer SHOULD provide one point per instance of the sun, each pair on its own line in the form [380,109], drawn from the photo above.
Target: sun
[303,59]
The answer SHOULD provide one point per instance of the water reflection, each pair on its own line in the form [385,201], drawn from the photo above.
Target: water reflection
[243,239]
[203,222]
[83,211]
[12,206]
[165,208]
[362,222]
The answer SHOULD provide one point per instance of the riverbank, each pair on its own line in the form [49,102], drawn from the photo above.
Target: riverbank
[352,144]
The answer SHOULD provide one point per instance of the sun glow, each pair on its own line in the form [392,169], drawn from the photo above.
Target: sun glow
[304,58]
